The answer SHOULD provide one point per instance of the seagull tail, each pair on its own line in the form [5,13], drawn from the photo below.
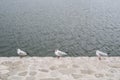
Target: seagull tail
[108,53]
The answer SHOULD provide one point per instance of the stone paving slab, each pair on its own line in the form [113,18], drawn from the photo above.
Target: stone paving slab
[66,68]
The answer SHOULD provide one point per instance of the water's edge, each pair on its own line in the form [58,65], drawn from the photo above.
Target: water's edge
[49,68]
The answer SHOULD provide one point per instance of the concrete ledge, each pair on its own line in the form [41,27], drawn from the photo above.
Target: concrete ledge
[66,68]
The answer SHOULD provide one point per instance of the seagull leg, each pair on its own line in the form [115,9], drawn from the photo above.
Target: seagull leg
[58,57]
[20,56]
[99,58]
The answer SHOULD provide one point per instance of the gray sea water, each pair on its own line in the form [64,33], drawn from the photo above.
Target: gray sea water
[79,27]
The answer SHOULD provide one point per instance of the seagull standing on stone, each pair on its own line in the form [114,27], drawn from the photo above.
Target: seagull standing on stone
[59,53]
[100,53]
[21,53]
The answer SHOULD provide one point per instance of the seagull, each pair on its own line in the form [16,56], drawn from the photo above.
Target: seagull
[21,53]
[59,53]
[100,53]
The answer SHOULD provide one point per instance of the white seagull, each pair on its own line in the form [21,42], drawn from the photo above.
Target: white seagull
[100,53]
[21,53]
[59,53]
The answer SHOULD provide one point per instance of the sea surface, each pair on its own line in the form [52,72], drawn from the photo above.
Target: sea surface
[78,27]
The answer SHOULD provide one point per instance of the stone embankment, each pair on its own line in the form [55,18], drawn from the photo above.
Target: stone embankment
[67,68]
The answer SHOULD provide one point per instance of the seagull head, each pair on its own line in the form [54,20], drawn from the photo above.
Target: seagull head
[56,50]
[18,49]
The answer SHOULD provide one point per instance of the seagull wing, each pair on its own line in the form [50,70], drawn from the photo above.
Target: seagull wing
[62,53]
[100,53]
[22,53]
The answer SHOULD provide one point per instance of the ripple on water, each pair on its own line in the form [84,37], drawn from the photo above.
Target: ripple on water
[51,28]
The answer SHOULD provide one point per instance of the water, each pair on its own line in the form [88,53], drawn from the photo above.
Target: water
[78,27]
